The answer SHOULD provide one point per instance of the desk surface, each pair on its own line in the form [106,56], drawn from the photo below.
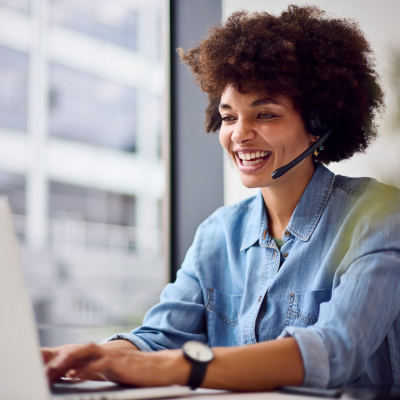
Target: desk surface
[205,394]
[354,393]
[251,396]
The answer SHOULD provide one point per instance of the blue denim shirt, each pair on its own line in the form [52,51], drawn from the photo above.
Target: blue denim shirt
[334,285]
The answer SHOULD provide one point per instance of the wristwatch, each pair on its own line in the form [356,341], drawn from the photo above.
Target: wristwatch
[199,355]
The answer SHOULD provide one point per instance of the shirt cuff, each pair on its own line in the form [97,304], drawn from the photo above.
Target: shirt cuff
[135,340]
[314,353]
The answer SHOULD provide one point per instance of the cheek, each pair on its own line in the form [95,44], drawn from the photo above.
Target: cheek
[291,142]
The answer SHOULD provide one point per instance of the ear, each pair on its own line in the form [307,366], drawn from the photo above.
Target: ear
[313,138]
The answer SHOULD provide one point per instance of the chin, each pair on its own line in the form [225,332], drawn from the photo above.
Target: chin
[253,184]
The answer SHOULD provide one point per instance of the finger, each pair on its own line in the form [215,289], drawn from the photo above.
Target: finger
[60,365]
[96,376]
[92,371]
[73,358]
[47,354]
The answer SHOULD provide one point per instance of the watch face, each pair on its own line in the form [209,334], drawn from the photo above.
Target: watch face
[198,351]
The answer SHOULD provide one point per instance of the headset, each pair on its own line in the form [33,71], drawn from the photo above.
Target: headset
[318,125]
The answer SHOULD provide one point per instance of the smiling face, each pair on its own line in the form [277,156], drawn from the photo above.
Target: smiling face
[261,134]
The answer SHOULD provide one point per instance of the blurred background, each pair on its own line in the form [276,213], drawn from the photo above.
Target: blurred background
[103,154]
[82,87]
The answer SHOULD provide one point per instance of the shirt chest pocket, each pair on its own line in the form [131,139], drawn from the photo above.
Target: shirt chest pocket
[222,312]
[303,308]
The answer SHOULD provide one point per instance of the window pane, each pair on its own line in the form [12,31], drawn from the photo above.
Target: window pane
[91,205]
[13,187]
[96,277]
[92,110]
[22,5]
[13,89]
[105,19]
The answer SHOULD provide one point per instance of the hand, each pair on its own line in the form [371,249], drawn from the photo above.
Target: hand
[118,363]
[49,353]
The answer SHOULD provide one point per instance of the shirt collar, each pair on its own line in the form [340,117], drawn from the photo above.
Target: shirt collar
[256,224]
[305,216]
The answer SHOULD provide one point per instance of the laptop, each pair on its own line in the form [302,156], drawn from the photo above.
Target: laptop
[21,368]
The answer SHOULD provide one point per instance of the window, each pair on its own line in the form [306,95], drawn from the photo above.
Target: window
[99,218]
[13,89]
[96,278]
[105,19]
[88,109]
[22,5]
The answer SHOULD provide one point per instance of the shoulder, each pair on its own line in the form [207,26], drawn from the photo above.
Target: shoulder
[367,191]
[363,186]
[371,208]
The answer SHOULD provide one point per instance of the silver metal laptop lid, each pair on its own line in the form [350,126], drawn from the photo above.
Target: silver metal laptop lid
[21,368]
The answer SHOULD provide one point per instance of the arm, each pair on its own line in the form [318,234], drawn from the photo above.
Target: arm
[353,324]
[355,336]
[180,315]
[335,351]
[262,366]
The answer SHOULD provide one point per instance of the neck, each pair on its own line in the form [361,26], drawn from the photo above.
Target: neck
[281,199]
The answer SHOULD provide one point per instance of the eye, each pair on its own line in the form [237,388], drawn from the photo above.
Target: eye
[266,116]
[228,119]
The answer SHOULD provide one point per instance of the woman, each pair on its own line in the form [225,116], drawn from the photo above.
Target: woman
[306,273]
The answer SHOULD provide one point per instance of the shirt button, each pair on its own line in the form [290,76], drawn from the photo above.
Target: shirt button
[286,255]
[287,233]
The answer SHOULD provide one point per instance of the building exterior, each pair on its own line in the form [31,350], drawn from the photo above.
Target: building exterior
[81,106]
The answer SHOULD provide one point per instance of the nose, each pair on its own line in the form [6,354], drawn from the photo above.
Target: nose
[242,132]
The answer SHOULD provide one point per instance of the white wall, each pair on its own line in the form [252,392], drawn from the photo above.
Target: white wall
[379,21]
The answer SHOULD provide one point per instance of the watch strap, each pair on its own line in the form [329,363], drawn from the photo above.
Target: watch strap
[197,374]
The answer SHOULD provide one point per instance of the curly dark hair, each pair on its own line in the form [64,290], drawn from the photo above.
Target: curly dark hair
[321,62]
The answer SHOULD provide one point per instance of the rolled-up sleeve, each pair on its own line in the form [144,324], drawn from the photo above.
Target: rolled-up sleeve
[314,353]
[353,324]
[180,314]
[135,340]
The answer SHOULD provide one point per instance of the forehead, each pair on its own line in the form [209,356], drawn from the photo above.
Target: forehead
[232,98]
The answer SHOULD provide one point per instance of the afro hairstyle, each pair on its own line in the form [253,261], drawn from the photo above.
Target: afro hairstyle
[322,63]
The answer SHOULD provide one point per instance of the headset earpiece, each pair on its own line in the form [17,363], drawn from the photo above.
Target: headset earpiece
[318,123]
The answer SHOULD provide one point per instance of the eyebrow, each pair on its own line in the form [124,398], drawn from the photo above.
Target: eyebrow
[256,103]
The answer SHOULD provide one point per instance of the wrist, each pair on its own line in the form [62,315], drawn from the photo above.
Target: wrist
[175,366]
[199,356]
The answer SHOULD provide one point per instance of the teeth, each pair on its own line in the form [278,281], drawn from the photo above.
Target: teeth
[252,156]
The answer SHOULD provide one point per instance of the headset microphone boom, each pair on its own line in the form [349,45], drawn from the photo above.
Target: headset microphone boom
[318,125]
